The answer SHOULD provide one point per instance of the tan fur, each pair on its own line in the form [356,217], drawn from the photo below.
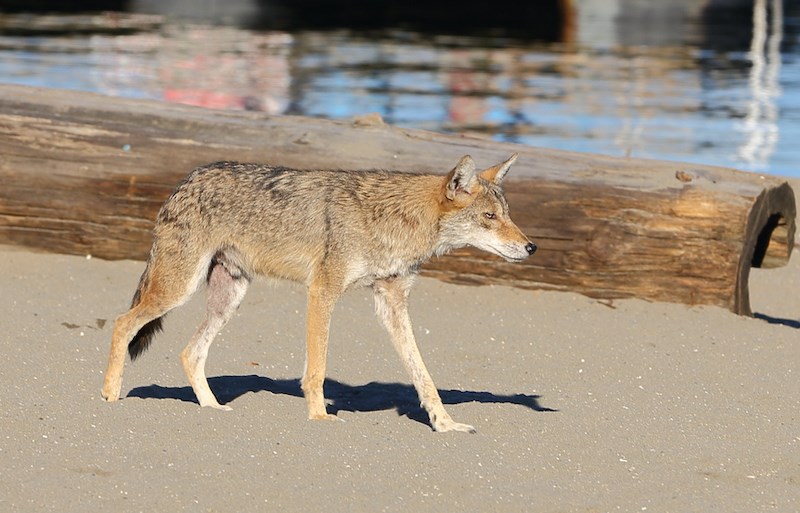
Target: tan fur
[331,230]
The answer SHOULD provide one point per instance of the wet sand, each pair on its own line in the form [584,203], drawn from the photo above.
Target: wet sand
[580,405]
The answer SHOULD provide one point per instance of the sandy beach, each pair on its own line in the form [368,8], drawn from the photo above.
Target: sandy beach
[580,405]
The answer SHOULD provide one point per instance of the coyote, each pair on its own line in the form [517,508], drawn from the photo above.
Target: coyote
[331,230]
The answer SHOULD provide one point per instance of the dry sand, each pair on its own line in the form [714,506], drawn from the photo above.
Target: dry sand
[579,405]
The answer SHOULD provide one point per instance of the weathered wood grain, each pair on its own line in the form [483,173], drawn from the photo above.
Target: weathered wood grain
[83,173]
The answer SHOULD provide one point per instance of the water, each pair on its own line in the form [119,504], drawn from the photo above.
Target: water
[698,89]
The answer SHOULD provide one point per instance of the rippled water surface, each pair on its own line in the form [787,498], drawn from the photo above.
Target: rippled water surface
[724,93]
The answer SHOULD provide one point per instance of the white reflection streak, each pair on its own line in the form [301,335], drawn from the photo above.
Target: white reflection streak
[762,114]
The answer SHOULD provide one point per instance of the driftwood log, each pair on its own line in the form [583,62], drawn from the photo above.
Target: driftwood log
[85,174]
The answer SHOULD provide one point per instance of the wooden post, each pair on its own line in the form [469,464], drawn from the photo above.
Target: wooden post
[85,174]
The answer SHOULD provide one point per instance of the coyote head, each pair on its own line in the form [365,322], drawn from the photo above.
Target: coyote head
[476,212]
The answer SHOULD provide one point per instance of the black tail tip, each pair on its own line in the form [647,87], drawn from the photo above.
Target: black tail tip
[142,340]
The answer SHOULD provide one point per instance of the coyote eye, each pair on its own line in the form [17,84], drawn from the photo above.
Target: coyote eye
[490,215]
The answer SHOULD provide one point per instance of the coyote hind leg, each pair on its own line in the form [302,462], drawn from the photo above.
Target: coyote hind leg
[125,327]
[165,284]
[225,293]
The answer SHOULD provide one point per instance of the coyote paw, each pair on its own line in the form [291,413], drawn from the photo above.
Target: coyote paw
[325,416]
[109,396]
[217,406]
[449,425]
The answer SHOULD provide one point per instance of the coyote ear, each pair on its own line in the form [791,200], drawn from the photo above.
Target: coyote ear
[461,179]
[497,173]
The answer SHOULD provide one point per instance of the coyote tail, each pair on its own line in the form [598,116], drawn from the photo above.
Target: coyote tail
[144,337]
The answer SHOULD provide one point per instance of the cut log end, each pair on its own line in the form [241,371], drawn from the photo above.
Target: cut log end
[769,239]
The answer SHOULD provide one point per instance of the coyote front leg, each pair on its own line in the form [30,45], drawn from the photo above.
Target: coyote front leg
[391,305]
[320,306]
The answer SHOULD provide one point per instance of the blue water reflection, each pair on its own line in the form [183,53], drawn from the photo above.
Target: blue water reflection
[680,96]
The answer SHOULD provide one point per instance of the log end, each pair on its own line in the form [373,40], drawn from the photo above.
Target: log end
[769,238]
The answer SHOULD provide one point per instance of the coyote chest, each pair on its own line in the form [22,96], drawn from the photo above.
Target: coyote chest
[363,273]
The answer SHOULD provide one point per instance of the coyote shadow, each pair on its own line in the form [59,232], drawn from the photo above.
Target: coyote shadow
[374,396]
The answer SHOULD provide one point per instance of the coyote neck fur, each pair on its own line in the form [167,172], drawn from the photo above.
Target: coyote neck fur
[408,215]
[395,224]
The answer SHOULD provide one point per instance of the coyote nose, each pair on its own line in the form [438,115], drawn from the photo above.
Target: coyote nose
[530,248]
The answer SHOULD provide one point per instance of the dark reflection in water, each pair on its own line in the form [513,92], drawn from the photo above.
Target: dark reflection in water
[679,80]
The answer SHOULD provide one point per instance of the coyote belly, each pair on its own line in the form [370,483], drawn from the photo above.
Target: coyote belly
[227,223]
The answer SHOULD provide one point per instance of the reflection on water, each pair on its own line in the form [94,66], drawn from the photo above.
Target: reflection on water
[761,123]
[725,93]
